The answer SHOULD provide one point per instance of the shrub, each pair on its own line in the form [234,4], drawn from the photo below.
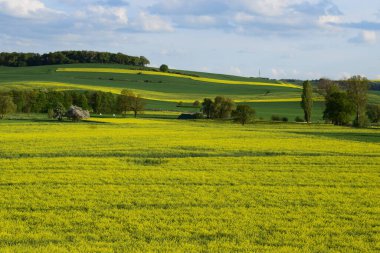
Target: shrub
[199,115]
[164,68]
[285,119]
[275,118]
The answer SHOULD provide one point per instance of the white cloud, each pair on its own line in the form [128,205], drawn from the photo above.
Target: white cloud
[201,21]
[267,7]
[109,15]
[151,23]
[366,37]
[369,36]
[23,8]
[235,71]
[329,19]
[242,17]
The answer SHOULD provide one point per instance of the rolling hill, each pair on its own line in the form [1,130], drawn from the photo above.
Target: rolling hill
[164,90]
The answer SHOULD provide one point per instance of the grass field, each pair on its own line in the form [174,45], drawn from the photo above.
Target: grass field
[140,185]
[165,90]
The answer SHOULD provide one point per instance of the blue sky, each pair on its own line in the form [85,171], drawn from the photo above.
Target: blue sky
[283,38]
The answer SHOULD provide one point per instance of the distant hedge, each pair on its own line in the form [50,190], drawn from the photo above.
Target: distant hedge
[69,57]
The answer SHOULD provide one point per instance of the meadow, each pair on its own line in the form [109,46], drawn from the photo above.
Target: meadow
[140,185]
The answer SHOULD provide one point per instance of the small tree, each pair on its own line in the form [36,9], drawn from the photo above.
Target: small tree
[223,107]
[6,106]
[357,91]
[243,114]
[164,68]
[76,113]
[339,109]
[59,111]
[307,100]
[197,103]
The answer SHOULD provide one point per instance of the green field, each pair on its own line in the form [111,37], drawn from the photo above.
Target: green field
[140,185]
[161,92]
[268,97]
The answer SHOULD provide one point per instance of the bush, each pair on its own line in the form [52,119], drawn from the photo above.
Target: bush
[199,115]
[299,119]
[285,119]
[276,118]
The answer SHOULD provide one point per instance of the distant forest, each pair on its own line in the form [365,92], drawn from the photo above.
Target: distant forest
[69,57]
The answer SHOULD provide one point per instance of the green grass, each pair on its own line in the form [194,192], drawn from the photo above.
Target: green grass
[143,185]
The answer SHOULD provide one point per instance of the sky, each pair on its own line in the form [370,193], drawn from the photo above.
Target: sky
[300,39]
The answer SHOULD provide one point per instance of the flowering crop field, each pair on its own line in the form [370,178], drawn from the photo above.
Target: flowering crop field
[140,185]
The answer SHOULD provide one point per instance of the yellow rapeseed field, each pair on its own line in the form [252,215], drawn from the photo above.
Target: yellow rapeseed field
[143,185]
[151,95]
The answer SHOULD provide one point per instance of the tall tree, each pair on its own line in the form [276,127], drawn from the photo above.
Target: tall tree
[6,106]
[357,91]
[307,100]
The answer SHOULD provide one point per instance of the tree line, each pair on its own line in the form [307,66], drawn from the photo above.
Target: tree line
[346,102]
[48,101]
[69,57]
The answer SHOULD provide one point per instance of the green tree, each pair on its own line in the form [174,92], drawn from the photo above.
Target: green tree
[373,113]
[307,100]
[164,68]
[129,101]
[59,111]
[222,107]
[357,91]
[6,106]
[243,114]
[339,109]
[207,107]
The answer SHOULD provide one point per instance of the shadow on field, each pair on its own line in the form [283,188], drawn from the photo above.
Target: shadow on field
[362,137]
[53,121]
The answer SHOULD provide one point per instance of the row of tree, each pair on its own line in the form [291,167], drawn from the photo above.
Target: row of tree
[41,101]
[224,108]
[346,102]
[69,57]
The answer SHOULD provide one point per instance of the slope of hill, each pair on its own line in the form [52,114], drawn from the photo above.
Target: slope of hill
[164,90]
